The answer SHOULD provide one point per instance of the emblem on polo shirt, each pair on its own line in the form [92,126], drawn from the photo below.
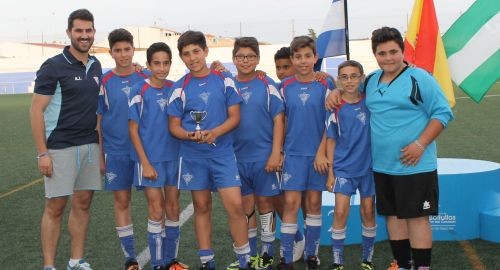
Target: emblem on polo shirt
[304,97]
[246,96]
[362,118]
[163,103]
[126,90]
[204,96]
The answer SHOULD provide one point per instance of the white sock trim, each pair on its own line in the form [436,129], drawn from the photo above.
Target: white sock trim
[126,230]
[313,220]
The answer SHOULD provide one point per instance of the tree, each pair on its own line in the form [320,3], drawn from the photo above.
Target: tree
[312,33]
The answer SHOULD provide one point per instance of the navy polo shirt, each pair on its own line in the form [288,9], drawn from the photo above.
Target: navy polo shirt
[70,117]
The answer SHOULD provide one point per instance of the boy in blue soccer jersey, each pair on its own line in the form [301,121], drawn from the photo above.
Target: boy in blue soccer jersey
[285,69]
[258,142]
[156,153]
[112,121]
[283,63]
[306,164]
[348,149]
[204,109]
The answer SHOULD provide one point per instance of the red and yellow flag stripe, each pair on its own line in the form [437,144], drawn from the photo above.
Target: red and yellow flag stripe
[424,46]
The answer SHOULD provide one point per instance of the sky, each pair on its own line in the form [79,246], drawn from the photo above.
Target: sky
[275,21]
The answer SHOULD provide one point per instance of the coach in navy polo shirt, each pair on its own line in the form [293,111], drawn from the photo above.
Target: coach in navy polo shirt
[63,121]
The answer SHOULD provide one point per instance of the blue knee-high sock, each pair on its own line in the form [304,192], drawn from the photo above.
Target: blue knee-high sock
[243,254]
[313,223]
[288,231]
[207,256]
[298,236]
[171,240]
[126,236]
[155,242]
[338,237]
[252,240]
[368,234]
[267,233]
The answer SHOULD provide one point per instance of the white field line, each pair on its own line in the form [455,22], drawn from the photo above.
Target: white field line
[487,96]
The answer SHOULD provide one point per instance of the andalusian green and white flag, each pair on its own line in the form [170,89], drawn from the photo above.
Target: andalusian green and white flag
[472,46]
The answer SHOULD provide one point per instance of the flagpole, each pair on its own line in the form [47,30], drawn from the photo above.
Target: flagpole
[346,31]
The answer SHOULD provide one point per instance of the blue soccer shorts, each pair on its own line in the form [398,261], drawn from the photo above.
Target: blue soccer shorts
[348,186]
[119,172]
[208,173]
[299,174]
[167,174]
[255,179]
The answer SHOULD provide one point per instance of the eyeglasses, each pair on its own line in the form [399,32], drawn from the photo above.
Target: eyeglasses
[353,77]
[250,57]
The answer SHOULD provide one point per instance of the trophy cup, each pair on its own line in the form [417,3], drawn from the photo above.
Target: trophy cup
[198,116]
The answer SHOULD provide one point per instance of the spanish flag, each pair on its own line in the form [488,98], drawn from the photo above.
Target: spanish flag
[424,46]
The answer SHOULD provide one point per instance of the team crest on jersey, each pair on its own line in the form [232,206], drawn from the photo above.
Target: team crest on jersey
[126,90]
[246,96]
[163,103]
[286,177]
[187,177]
[362,117]
[304,97]
[110,176]
[204,96]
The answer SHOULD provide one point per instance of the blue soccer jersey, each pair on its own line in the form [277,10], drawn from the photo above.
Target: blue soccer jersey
[349,127]
[400,111]
[148,107]
[305,112]
[212,95]
[253,139]
[114,108]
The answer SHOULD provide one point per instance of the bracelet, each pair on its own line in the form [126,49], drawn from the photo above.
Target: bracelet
[419,145]
[42,155]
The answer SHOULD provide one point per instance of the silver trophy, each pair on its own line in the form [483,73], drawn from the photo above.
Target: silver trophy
[198,116]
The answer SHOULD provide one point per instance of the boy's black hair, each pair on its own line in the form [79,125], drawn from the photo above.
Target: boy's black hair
[246,42]
[157,47]
[118,35]
[351,63]
[191,38]
[282,53]
[302,42]
[81,14]
[385,34]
